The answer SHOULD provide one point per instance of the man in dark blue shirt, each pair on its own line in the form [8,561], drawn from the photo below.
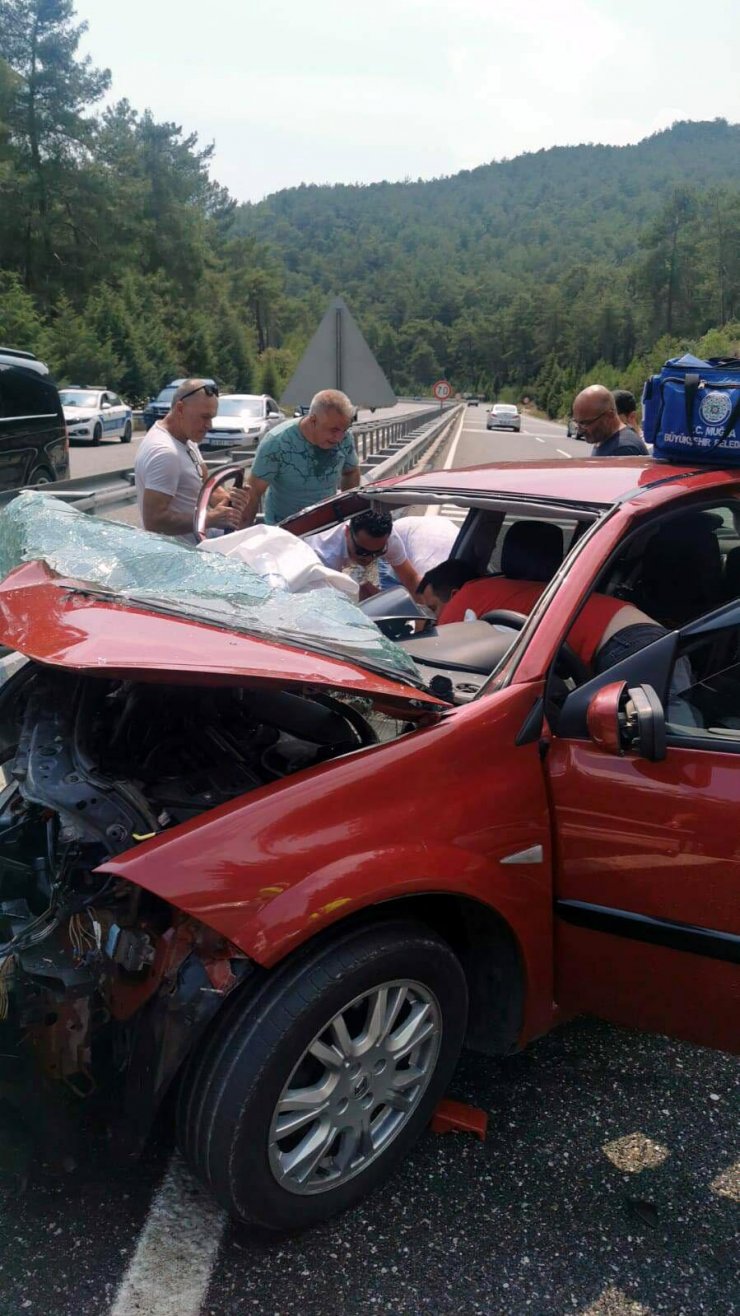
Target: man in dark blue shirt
[595,413]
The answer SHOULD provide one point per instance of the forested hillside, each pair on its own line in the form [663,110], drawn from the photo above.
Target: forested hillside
[122,260]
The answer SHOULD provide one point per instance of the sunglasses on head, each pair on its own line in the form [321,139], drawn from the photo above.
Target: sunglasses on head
[361,551]
[210,390]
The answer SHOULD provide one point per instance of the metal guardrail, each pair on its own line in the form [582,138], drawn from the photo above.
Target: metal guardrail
[376,436]
[403,456]
[381,446]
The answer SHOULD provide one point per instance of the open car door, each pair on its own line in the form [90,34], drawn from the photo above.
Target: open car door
[644,774]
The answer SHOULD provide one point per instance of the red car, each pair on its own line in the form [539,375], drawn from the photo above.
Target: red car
[287,884]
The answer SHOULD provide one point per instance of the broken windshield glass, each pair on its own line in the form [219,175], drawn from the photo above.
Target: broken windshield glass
[161,574]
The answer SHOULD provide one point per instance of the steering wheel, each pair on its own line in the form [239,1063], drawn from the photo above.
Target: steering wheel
[504,617]
[235,473]
[568,664]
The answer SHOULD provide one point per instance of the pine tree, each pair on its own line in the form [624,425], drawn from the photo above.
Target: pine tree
[49,130]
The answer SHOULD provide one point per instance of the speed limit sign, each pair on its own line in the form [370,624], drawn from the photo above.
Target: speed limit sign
[441,390]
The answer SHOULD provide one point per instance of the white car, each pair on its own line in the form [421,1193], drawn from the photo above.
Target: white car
[96,413]
[242,419]
[503,416]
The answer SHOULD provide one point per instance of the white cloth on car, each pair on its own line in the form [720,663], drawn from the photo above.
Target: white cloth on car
[282,559]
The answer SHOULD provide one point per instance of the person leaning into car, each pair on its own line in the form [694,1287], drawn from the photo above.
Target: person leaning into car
[303,461]
[169,473]
[606,630]
[359,547]
[595,413]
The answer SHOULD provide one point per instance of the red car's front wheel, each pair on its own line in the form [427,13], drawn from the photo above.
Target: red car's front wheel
[314,1087]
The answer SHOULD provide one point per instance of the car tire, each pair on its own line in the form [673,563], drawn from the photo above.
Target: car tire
[126,436]
[304,1027]
[42,475]
[97,434]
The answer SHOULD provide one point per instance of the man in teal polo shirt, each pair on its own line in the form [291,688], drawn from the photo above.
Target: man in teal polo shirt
[302,461]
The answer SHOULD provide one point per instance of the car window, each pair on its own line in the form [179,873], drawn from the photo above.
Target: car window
[78,397]
[25,393]
[681,566]
[240,407]
[567,525]
[704,696]
[114,400]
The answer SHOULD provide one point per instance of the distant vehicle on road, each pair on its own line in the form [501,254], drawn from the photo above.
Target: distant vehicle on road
[242,418]
[33,435]
[503,416]
[157,408]
[472,402]
[572,429]
[94,413]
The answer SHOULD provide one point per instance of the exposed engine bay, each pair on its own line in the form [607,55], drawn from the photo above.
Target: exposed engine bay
[92,968]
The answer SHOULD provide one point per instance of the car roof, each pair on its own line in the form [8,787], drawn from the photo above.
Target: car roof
[12,356]
[591,481]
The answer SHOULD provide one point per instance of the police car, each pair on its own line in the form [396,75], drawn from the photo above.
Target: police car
[94,413]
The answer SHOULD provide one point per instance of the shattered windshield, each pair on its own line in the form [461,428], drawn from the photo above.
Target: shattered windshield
[155,572]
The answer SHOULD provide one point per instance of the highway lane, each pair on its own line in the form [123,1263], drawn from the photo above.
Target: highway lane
[538,440]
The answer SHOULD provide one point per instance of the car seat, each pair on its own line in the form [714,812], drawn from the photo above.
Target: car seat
[681,576]
[532,550]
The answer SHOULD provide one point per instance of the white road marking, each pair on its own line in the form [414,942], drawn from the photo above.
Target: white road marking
[170,1270]
[539,440]
[563,453]
[434,510]
[453,450]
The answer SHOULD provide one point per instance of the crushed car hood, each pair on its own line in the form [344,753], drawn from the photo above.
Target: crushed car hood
[94,595]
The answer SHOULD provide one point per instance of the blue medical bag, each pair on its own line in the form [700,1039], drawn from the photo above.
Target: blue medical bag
[691,411]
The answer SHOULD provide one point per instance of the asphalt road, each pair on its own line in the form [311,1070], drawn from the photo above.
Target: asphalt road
[608,1183]
[539,439]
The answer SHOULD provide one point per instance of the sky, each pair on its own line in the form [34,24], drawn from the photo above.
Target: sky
[354,91]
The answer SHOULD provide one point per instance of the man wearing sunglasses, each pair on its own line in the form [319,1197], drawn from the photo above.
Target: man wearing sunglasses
[303,461]
[169,472]
[595,413]
[358,547]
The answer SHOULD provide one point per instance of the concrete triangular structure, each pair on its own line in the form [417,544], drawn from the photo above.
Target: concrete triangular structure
[338,357]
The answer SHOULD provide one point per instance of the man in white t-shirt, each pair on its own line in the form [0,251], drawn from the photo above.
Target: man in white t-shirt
[169,472]
[427,540]
[358,546]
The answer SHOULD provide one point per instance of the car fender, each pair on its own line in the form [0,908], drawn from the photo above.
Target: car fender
[456,808]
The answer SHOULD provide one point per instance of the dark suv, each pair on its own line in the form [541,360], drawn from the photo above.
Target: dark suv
[34,448]
[157,408]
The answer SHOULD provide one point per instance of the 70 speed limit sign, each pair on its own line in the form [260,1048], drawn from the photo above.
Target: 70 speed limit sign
[442,390]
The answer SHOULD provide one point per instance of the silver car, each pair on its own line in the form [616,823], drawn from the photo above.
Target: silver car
[503,416]
[242,420]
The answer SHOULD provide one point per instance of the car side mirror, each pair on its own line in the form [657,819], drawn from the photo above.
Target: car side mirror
[622,718]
